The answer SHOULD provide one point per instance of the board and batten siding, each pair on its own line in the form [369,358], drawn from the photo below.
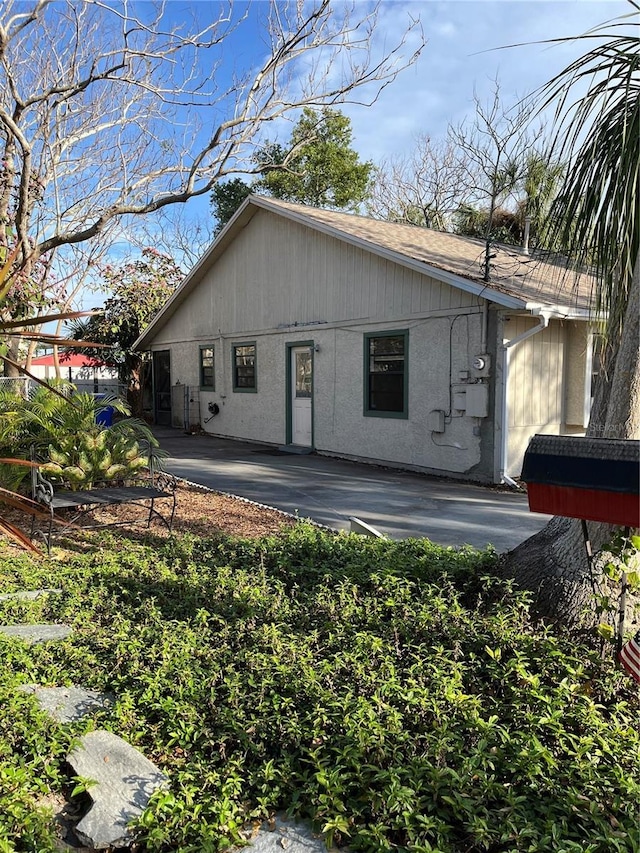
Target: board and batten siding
[546,383]
[278,273]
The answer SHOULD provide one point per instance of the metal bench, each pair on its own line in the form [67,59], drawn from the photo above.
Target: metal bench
[143,489]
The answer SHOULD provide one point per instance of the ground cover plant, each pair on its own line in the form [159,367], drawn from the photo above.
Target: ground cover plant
[395,693]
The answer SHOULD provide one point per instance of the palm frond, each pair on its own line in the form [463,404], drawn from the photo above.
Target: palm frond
[594,217]
[18,536]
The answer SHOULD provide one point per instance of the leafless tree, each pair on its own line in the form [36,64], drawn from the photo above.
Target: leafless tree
[424,188]
[109,111]
[495,146]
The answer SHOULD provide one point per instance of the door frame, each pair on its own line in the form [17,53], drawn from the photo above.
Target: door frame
[288,389]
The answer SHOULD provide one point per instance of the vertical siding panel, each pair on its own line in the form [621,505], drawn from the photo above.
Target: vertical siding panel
[362,285]
[416,292]
[425,294]
[561,349]
[535,414]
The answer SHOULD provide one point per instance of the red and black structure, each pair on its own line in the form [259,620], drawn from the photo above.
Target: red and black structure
[594,479]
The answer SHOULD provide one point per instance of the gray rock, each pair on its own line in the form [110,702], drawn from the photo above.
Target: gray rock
[68,704]
[286,835]
[28,595]
[36,633]
[125,782]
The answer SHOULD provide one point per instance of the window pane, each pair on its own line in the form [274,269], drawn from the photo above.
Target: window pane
[386,374]
[245,366]
[207,367]
[303,374]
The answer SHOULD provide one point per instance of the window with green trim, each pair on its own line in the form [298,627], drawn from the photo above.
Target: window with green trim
[244,367]
[386,375]
[208,367]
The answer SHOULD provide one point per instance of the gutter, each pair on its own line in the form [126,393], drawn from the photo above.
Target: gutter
[505,348]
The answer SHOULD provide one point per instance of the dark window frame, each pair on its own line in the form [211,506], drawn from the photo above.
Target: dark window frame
[206,386]
[369,411]
[244,389]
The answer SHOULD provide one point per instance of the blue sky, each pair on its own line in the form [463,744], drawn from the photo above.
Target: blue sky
[462,56]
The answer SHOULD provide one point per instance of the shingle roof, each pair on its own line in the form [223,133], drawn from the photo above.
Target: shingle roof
[532,278]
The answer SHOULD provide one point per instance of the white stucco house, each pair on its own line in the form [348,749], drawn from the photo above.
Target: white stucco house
[311,329]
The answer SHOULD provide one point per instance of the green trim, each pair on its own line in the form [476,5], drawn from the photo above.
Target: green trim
[375,413]
[244,390]
[203,386]
[288,382]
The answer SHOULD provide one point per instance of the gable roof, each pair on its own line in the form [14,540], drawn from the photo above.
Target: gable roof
[518,281]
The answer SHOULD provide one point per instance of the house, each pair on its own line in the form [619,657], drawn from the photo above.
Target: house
[369,340]
[87,374]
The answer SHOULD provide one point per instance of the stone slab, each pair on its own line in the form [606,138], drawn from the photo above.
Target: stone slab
[68,704]
[28,595]
[287,835]
[40,633]
[125,782]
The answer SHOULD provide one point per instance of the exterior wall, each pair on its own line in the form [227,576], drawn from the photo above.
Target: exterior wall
[279,283]
[546,383]
[576,384]
[278,274]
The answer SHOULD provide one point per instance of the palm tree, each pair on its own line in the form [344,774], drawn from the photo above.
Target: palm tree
[594,220]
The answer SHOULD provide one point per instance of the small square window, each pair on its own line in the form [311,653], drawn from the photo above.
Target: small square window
[207,368]
[244,367]
[385,374]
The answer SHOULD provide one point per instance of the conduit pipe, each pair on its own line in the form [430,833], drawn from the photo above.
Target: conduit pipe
[506,353]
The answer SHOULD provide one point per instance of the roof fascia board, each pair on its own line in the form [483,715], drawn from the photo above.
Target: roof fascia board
[562,312]
[419,266]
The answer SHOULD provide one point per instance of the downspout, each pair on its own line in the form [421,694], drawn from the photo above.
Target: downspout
[506,353]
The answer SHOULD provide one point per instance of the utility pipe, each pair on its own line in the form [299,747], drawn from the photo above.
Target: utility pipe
[506,352]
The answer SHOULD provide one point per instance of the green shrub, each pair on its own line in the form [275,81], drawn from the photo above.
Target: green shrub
[395,693]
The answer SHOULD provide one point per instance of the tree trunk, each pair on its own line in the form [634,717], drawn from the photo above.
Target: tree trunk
[553,563]
[13,352]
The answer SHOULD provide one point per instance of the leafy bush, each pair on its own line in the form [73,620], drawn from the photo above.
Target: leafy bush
[63,430]
[395,693]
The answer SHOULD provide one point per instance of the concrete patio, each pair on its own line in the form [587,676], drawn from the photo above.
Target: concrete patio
[400,504]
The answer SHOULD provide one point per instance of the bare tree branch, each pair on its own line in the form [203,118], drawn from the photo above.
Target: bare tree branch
[125,114]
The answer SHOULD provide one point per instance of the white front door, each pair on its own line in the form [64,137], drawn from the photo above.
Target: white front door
[301,395]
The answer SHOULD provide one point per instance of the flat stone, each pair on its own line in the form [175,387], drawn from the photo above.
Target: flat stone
[28,595]
[285,834]
[37,633]
[68,704]
[125,782]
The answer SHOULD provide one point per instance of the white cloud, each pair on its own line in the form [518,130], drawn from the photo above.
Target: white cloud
[463,55]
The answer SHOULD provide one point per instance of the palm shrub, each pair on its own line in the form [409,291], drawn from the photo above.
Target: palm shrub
[61,428]
[97,454]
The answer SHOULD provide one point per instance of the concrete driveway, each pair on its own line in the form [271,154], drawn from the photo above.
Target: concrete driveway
[399,504]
